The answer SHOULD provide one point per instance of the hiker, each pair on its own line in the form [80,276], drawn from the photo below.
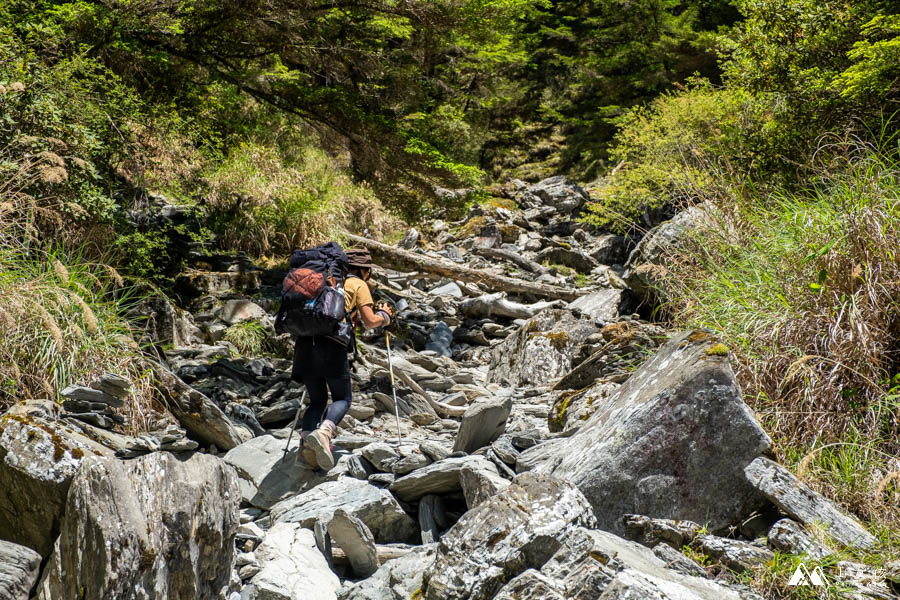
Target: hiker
[321,363]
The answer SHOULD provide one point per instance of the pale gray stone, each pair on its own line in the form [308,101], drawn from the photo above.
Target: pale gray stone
[650,532]
[805,505]
[355,540]
[604,305]
[410,463]
[153,527]
[86,394]
[676,560]
[292,567]
[375,507]
[382,455]
[440,477]
[19,570]
[672,442]
[266,474]
[482,423]
[397,579]
[236,311]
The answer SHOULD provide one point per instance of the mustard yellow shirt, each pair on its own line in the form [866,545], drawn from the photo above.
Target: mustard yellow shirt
[356,294]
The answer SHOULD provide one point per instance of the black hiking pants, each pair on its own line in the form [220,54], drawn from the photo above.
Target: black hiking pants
[321,364]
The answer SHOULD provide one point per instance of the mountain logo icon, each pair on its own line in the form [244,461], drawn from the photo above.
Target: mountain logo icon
[803,576]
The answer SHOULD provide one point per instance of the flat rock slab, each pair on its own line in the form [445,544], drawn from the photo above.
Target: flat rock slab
[19,570]
[480,480]
[672,442]
[355,540]
[519,528]
[374,506]
[788,536]
[604,305]
[292,567]
[266,474]
[482,423]
[440,477]
[805,505]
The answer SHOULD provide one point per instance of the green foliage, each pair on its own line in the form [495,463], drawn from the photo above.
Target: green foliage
[875,71]
[249,337]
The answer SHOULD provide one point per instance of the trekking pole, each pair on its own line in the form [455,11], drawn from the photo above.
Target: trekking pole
[294,424]
[387,342]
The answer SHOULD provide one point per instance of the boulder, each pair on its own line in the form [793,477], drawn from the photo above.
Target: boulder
[644,270]
[373,506]
[19,570]
[38,459]
[573,407]
[266,474]
[204,421]
[482,423]
[603,305]
[541,351]
[153,527]
[397,579]
[671,443]
[608,249]
[799,501]
[519,528]
[291,567]
[559,192]
[737,555]
[651,532]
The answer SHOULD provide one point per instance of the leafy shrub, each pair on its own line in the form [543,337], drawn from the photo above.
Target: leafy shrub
[249,337]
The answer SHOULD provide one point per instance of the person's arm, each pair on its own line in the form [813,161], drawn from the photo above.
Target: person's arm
[372,318]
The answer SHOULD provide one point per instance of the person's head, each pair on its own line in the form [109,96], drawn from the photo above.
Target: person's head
[360,262]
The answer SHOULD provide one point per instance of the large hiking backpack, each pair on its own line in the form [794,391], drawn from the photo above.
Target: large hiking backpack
[312,294]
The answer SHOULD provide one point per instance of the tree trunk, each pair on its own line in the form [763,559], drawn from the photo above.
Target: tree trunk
[402,260]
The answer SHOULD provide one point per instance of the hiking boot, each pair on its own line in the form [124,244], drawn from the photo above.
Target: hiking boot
[306,457]
[319,441]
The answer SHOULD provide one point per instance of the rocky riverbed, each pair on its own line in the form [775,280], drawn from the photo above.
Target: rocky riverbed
[552,442]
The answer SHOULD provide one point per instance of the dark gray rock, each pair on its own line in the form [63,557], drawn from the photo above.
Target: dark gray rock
[152,527]
[575,259]
[650,532]
[560,193]
[799,501]
[86,394]
[19,570]
[609,250]
[440,477]
[439,340]
[433,519]
[672,442]
[482,423]
[519,528]
[737,555]
[113,385]
[278,412]
[789,537]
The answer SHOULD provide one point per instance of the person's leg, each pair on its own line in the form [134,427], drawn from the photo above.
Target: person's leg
[320,439]
[318,397]
[341,396]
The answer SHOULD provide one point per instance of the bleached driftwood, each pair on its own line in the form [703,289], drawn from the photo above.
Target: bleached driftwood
[496,305]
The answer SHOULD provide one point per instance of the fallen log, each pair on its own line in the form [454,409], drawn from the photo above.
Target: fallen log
[497,305]
[402,260]
[516,259]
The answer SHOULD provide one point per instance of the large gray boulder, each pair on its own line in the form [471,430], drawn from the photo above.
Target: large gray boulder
[19,570]
[671,443]
[541,350]
[291,567]
[801,502]
[519,528]
[374,506]
[266,474]
[440,477]
[604,304]
[38,459]
[153,527]
[559,192]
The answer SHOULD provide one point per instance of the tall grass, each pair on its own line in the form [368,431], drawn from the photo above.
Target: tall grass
[805,287]
[267,203]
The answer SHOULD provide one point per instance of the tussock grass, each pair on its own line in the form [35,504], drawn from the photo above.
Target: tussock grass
[60,325]
[265,202]
[805,287]
[249,337]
